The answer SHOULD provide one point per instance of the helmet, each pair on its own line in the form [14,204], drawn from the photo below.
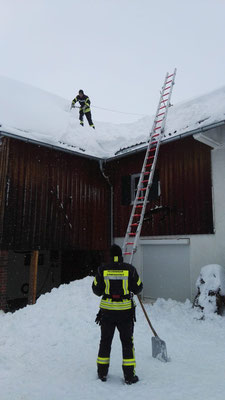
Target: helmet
[116,253]
[81,91]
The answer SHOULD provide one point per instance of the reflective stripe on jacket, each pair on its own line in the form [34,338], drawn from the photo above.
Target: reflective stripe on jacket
[84,103]
[115,282]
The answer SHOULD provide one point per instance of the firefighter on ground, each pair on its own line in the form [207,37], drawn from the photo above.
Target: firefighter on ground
[116,283]
[84,108]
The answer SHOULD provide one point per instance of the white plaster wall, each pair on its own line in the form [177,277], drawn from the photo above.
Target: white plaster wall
[218,177]
[204,249]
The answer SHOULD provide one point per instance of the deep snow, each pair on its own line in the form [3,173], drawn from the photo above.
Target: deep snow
[48,351]
[38,115]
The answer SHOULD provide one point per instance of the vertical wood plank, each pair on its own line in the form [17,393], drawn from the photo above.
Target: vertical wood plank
[33,277]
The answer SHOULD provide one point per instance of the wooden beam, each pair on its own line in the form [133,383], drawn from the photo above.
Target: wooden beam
[33,277]
[4,259]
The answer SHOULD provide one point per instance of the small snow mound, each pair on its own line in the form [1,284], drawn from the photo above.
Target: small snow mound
[211,287]
[212,276]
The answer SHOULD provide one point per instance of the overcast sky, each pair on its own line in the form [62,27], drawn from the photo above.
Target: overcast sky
[117,51]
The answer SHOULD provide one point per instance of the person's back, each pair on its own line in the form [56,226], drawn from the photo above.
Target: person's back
[116,283]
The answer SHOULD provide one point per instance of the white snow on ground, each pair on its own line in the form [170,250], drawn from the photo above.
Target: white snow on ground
[48,351]
[35,114]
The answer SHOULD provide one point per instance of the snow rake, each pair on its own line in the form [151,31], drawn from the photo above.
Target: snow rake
[159,350]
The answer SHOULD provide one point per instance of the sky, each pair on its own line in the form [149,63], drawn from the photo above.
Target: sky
[117,51]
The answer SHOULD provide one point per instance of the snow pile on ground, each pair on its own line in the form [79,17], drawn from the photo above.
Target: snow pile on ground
[48,351]
[210,281]
[38,115]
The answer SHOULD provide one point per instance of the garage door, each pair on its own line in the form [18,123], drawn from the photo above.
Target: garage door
[166,269]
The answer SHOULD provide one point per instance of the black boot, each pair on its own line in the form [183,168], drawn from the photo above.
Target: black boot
[129,380]
[103,372]
[103,378]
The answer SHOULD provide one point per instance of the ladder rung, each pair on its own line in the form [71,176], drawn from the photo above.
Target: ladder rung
[147,173]
[160,114]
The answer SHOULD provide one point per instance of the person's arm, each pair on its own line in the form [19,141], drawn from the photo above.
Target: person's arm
[98,285]
[74,102]
[136,284]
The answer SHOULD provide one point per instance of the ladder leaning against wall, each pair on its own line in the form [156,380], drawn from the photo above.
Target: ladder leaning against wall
[146,177]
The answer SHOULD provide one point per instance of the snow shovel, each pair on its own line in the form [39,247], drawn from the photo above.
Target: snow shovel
[158,345]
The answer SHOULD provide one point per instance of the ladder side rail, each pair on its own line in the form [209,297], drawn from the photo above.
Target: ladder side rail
[152,132]
[140,186]
[144,203]
[144,165]
[142,214]
[168,101]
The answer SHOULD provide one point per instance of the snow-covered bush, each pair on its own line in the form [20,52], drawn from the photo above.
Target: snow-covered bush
[210,284]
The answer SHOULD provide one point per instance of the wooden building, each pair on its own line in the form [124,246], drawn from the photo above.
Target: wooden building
[181,198]
[54,202]
[70,208]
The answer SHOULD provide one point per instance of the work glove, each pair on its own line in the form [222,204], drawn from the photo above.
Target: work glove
[98,318]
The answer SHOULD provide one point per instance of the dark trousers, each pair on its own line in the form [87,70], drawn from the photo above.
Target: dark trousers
[123,321]
[88,116]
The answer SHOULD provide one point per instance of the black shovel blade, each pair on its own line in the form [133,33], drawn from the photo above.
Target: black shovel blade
[159,349]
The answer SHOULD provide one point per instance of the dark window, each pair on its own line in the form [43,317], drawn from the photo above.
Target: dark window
[126,190]
[129,188]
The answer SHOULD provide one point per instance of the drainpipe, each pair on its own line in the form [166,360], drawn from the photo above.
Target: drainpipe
[111,199]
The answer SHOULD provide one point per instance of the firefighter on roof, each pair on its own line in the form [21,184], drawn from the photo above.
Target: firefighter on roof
[84,108]
[116,283]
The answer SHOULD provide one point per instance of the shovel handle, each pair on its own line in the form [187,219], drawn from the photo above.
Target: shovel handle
[146,316]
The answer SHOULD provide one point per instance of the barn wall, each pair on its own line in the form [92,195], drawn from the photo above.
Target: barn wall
[54,200]
[185,203]
[4,151]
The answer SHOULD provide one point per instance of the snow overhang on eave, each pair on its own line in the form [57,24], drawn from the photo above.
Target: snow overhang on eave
[197,134]
[50,146]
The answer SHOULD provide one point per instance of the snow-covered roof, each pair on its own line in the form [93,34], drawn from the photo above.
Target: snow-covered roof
[36,115]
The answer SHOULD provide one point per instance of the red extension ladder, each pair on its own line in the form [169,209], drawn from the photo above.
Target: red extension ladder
[148,169]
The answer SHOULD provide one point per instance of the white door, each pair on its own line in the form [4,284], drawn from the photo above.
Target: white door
[166,269]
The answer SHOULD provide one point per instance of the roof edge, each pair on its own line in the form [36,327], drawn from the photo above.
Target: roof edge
[126,154]
[171,139]
[51,146]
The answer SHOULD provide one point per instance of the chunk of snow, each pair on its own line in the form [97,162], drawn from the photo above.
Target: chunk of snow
[211,280]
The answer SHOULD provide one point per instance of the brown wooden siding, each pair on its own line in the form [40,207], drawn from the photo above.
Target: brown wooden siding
[4,146]
[185,203]
[48,191]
